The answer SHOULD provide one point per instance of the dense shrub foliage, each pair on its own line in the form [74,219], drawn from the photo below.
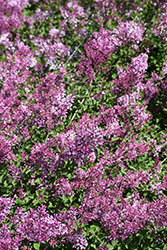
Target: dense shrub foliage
[83,122]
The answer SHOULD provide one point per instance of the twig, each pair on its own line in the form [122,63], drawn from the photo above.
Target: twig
[164,160]
[75,50]
[46,247]
[78,108]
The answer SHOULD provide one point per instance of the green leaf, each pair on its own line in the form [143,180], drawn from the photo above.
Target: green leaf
[85,79]
[1,178]
[50,205]
[35,202]
[37,245]
[12,60]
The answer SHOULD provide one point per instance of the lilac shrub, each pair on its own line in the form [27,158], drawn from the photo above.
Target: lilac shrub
[83,125]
